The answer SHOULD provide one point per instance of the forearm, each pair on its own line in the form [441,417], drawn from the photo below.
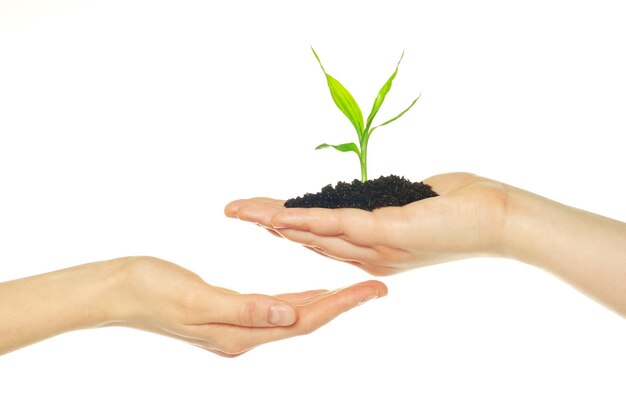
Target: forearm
[41,306]
[585,249]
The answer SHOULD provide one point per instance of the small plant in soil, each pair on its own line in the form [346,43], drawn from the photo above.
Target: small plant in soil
[372,194]
[346,103]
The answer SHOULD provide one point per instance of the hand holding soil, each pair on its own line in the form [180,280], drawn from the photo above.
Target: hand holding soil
[473,216]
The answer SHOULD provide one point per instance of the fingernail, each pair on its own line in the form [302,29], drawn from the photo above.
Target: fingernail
[230,211]
[282,315]
[368,298]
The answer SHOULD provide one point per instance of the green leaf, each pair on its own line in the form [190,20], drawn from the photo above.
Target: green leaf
[398,116]
[341,147]
[381,95]
[343,99]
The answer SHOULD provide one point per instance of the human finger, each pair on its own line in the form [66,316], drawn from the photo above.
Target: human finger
[345,222]
[300,298]
[258,213]
[251,310]
[232,208]
[336,247]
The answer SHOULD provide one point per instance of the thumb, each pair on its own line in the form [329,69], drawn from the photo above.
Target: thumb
[253,310]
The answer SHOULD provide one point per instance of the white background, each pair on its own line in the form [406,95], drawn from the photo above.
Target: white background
[126,126]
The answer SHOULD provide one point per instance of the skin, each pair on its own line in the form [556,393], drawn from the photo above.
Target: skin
[473,216]
[158,296]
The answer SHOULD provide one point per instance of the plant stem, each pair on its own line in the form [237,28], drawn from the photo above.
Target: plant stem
[363,157]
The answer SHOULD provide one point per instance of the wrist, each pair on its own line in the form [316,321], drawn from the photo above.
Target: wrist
[117,303]
[103,292]
[45,305]
[526,225]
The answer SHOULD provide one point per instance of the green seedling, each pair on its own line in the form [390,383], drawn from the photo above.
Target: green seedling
[346,103]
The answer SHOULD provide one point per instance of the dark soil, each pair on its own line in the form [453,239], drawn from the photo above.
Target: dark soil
[386,191]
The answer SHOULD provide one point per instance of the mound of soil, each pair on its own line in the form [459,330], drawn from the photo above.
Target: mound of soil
[386,191]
